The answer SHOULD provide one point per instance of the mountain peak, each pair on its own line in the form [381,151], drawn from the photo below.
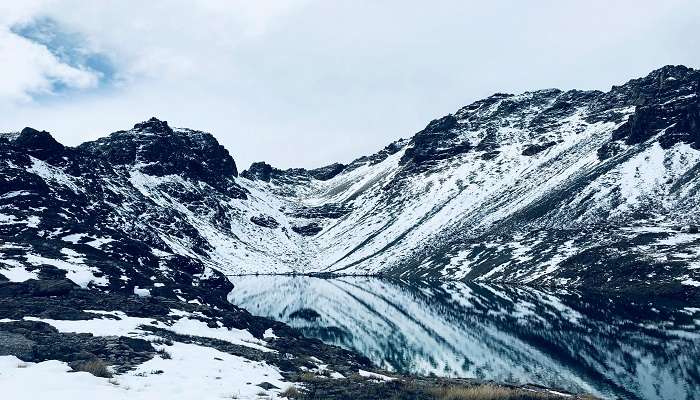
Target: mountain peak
[153,125]
[672,71]
[38,143]
[154,148]
[258,171]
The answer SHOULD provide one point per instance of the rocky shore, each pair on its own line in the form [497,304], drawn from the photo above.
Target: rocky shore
[122,338]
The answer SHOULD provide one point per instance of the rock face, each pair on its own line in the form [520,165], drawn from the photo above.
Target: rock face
[265,172]
[158,150]
[575,188]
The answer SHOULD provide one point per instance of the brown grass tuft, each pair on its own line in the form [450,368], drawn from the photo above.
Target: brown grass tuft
[290,393]
[309,377]
[164,354]
[488,392]
[96,367]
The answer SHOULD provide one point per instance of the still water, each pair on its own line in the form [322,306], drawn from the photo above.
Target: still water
[564,339]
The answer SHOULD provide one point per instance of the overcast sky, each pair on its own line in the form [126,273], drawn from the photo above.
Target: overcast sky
[309,82]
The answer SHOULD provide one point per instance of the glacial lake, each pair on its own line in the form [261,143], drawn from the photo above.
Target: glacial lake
[610,347]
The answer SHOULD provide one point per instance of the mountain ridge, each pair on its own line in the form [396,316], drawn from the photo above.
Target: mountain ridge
[549,187]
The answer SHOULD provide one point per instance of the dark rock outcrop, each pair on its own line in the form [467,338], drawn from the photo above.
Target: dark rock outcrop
[262,171]
[665,100]
[437,141]
[39,144]
[534,148]
[158,150]
[307,230]
[265,221]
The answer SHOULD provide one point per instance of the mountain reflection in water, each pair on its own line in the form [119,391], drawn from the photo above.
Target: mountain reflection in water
[564,339]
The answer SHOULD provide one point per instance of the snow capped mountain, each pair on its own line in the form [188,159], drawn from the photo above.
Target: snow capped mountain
[575,188]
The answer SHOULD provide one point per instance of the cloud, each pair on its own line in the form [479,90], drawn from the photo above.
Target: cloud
[54,45]
[29,69]
[310,82]
[169,39]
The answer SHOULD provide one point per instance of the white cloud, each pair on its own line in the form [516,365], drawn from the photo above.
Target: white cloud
[29,69]
[170,39]
[161,39]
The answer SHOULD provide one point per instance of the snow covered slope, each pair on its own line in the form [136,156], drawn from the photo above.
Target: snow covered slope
[579,188]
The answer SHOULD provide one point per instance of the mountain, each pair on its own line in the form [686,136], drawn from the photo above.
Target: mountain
[551,188]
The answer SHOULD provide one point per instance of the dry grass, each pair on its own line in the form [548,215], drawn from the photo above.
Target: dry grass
[162,341]
[309,377]
[164,354]
[290,392]
[488,392]
[96,367]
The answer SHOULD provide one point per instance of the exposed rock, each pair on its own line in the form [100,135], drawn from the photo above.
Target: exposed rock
[437,141]
[307,230]
[158,150]
[534,148]
[258,171]
[40,144]
[16,345]
[330,211]
[265,221]
[265,172]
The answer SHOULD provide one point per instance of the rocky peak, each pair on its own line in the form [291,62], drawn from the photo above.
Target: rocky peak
[39,144]
[665,100]
[258,171]
[263,171]
[153,125]
[163,150]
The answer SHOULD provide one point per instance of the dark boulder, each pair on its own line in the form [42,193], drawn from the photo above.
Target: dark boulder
[13,344]
[307,230]
[534,148]
[265,221]
[53,287]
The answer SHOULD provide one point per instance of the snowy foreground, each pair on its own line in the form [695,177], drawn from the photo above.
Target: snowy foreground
[66,342]
[188,371]
[62,340]
[194,372]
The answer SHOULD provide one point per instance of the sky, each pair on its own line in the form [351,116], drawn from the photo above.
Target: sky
[304,83]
